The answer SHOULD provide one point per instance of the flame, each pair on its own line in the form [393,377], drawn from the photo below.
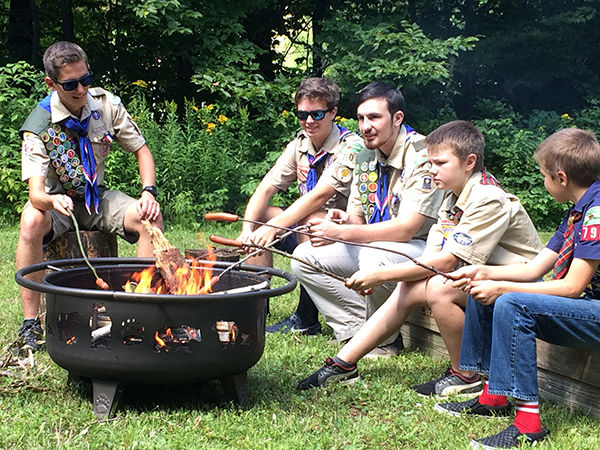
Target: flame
[195,280]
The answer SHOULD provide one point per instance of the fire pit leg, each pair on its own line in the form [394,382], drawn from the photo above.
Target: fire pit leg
[105,396]
[236,389]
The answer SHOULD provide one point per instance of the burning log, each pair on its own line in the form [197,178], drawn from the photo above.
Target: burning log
[168,257]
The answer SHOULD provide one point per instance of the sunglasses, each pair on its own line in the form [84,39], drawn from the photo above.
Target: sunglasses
[71,85]
[317,114]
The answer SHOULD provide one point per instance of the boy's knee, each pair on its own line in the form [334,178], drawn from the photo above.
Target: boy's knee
[34,223]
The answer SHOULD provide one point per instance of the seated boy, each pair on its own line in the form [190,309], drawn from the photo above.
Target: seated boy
[477,222]
[507,309]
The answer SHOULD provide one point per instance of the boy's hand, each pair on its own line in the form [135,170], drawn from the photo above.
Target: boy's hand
[320,228]
[263,236]
[486,292]
[337,215]
[62,203]
[364,281]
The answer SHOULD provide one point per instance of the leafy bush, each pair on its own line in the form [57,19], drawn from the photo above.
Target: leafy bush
[21,87]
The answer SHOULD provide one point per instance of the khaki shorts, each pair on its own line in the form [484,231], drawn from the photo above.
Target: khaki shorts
[113,205]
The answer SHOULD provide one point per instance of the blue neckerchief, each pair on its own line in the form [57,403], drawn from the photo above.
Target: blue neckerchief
[315,161]
[381,212]
[92,196]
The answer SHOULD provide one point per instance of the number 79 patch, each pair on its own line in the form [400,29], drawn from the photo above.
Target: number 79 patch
[590,229]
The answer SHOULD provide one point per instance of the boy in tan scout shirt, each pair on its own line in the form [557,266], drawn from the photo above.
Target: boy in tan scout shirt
[66,140]
[321,159]
[477,222]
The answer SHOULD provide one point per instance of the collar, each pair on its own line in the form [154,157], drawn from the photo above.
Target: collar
[592,193]
[60,112]
[461,201]
[396,158]
[330,145]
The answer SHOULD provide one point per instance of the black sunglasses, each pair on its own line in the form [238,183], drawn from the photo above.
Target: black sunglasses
[317,114]
[71,85]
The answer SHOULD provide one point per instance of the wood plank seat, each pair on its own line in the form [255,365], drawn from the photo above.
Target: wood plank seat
[565,376]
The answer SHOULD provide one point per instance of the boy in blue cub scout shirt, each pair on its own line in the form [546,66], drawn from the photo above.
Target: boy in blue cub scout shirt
[507,309]
[66,140]
[477,223]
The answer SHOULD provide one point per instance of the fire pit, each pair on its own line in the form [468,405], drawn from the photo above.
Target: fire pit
[114,337]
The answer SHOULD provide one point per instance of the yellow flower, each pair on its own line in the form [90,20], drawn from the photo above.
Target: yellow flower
[285,113]
[566,117]
[222,119]
[140,83]
[339,119]
[195,108]
[210,107]
[542,128]
[210,127]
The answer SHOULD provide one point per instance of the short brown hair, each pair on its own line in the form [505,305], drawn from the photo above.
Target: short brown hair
[463,137]
[59,55]
[318,89]
[575,152]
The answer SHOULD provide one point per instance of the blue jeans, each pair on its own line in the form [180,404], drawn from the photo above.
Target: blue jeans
[499,340]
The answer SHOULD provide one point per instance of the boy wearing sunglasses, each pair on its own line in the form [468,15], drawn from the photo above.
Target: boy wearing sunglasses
[393,204]
[66,140]
[321,159]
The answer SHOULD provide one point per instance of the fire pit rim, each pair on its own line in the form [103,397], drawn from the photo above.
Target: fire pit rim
[98,263]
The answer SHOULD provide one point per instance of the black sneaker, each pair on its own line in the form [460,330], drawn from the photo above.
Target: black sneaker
[331,371]
[508,438]
[472,407]
[31,335]
[450,383]
[293,324]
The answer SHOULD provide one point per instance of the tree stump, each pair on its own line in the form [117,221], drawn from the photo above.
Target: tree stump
[221,253]
[95,243]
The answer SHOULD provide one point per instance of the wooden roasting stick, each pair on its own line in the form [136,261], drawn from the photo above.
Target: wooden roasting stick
[168,257]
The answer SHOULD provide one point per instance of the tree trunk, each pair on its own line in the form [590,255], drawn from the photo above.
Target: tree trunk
[19,40]
[68,27]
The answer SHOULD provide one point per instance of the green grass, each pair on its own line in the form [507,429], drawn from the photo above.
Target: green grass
[379,412]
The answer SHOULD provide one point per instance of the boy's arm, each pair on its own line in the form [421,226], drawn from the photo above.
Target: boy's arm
[257,204]
[301,208]
[579,275]
[394,230]
[46,202]
[407,271]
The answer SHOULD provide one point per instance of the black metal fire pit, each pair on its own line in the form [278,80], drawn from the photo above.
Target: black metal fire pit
[115,337]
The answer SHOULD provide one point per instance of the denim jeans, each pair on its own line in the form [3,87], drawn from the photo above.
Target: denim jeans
[499,340]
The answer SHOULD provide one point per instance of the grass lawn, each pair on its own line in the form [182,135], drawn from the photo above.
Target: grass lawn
[37,411]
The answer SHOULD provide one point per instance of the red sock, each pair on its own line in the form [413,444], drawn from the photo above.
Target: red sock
[527,419]
[485,398]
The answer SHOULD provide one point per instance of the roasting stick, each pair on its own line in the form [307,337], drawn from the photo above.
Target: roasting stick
[228,217]
[99,281]
[256,252]
[233,243]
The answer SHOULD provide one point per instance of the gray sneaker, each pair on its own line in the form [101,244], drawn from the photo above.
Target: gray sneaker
[508,438]
[451,383]
[330,372]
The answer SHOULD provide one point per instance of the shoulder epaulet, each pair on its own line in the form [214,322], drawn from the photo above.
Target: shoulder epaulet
[97,92]
[37,121]
[419,144]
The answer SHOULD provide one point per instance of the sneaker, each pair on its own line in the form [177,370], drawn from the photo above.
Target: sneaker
[385,351]
[472,407]
[508,438]
[331,371]
[31,335]
[293,324]
[450,383]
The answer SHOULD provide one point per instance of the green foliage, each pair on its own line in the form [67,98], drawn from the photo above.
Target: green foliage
[21,86]
[400,53]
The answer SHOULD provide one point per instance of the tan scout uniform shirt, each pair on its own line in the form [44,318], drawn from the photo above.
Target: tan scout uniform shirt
[410,183]
[336,170]
[484,225]
[109,116]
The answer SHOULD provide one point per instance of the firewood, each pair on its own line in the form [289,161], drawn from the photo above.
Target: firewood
[168,257]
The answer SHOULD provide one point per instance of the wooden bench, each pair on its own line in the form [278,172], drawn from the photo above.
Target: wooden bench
[565,376]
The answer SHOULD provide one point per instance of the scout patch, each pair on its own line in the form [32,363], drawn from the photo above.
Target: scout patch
[66,161]
[463,239]
[344,174]
[590,229]
[427,183]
